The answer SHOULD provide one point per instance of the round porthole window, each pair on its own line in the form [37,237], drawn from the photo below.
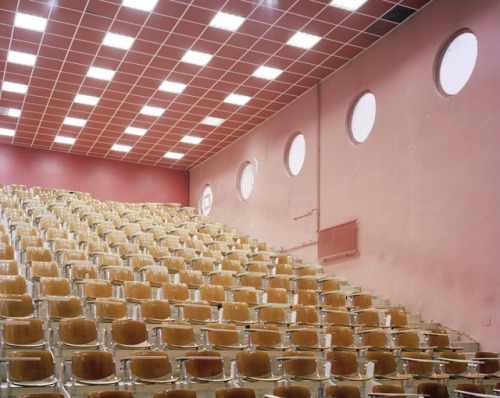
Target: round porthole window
[457,63]
[206,200]
[296,154]
[363,117]
[245,180]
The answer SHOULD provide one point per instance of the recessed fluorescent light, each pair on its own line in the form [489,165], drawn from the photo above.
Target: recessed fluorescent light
[237,99]
[226,21]
[30,22]
[303,40]
[121,148]
[351,5]
[265,72]
[73,121]
[17,57]
[212,121]
[7,132]
[14,87]
[100,73]
[64,140]
[86,99]
[144,5]
[188,139]
[152,110]
[135,130]
[172,87]
[173,155]
[118,41]
[196,57]
[13,112]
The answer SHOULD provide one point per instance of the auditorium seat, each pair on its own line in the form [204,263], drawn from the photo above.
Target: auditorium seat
[342,391]
[292,392]
[31,368]
[302,365]
[346,367]
[155,311]
[222,336]
[127,334]
[235,392]
[255,366]
[421,365]
[489,363]
[385,366]
[433,390]
[176,335]
[145,367]
[202,366]
[267,337]
[26,334]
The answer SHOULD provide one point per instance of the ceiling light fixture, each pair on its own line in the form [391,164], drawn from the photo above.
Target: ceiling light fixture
[20,58]
[173,155]
[350,5]
[118,41]
[100,73]
[73,121]
[172,87]
[152,110]
[30,22]
[237,99]
[303,40]
[212,121]
[14,87]
[225,21]
[189,139]
[121,148]
[64,140]
[196,58]
[265,72]
[86,99]
[143,5]
[7,132]
[135,131]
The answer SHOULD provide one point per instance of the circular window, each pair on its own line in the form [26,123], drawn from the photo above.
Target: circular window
[296,154]
[457,63]
[245,180]
[206,200]
[363,117]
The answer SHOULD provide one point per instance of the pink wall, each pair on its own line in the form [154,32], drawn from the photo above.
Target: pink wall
[424,186]
[104,179]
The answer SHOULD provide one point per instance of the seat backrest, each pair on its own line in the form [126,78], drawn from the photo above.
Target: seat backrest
[408,340]
[253,363]
[199,311]
[277,296]
[110,394]
[344,363]
[270,314]
[70,307]
[95,289]
[178,334]
[279,281]
[235,312]
[292,392]
[175,394]
[198,367]
[55,286]
[135,290]
[421,365]
[15,334]
[146,368]
[222,334]
[438,337]
[92,365]
[433,390]
[306,314]
[306,283]
[252,280]
[77,331]
[203,264]
[452,367]
[109,309]
[222,278]
[301,366]
[385,363]
[176,291]
[489,362]
[13,284]
[235,392]
[375,338]
[44,268]
[83,271]
[7,252]
[129,331]
[361,300]
[212,293]
[389,389]
[29,370]
[174,263]
[191,278]
[9,267]
[265,335]
[307,297]
[16,305]
[398,317]
[248,295]
[342,391]
[154,310]
[470,387]
[342,336]
[329,285]
[38,254]
[368,318]
[335,299]
[120,274]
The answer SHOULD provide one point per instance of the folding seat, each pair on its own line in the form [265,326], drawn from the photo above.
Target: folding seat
[38,254]
[52,235]
[334,299]
[223,278]
[439,340]
[197,245]
[202,366]
[489,363]
[194,279]
[376,339]
[110,309]
[141,261]
[187,253]
[131,230]
[306,315]
[276,296]
[83,271]
[64,307]
[155,311]
[255,366]
[106,260]
[27,334]
[155,275]
[144,241]
[203,264]
[303,365]
[171,242]
[16,306]
[308,282]
[358,301]
[175,292]
[433,390]
[54,286]
[93,289]
[235,392]
[381,390]
[329,284]
[267,337]
[408,340]
[13,284]
[213,294]
[94,247]
[115,239]
[469,390]
[308,269]
[174,264]
[7,252]
[238,255]
[175,394]
[398,318]
[75,334]
[237,313]
[346,366]
[248,295]
[69,257]
[30,368]
[277,314]
[343,338]
[231,265]
[292,392]
[145,367]
[458,366]
[368,318]
[89,368]
[28,241]
[342,391]
[197,312]
[306,297]
[386,366]
[259,267]
[421,365]
[176,335]
[128,250]
[279,282]
[248,279]
[118,275]
[127,334]
[109,394]
[283,269]
[308,338]
[9,268]
[222,336]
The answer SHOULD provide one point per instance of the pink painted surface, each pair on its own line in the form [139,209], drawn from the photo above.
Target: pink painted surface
[104,179]
[424,186]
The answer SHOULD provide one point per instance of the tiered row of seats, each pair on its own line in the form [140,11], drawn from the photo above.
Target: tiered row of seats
[152,298]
